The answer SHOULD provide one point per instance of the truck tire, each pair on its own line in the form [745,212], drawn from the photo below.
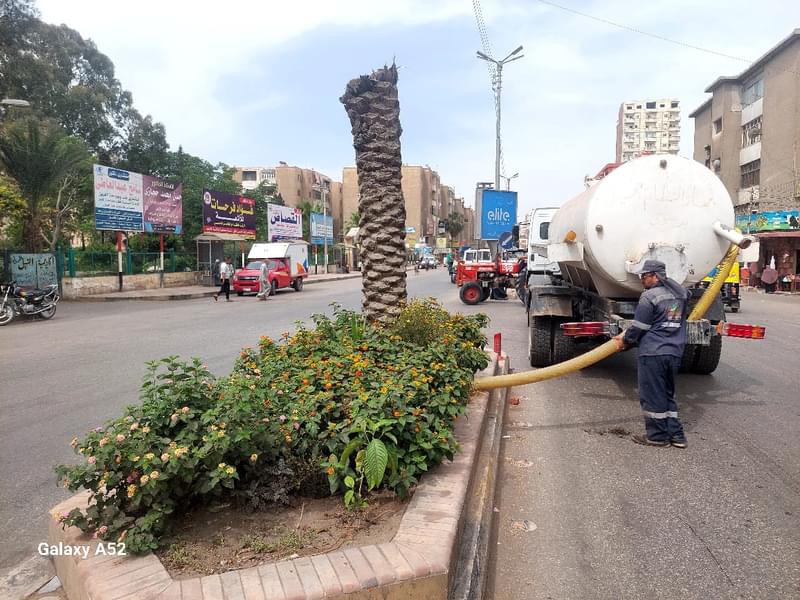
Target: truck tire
[297,284]
[471,293]
[540,336]
[707,358]
[687,360]
[563,345]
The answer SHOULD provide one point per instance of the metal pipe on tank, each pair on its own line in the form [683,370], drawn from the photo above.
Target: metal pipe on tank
[733,236]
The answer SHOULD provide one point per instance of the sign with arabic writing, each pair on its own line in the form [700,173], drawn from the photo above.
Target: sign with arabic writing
[34,270]
[229,213]
[118,200]
[163,205]
[774,220]
[128,201]
[321,228]
[284,223]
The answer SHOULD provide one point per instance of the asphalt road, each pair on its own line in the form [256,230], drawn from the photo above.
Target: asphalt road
[586,513]
[62,377]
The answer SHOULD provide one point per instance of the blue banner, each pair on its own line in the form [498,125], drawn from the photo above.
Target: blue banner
[321,228]
[498,213]
[776,220]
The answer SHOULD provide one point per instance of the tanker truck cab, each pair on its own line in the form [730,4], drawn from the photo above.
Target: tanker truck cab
[538,237]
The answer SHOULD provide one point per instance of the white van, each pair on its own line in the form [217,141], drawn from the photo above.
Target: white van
[538,237]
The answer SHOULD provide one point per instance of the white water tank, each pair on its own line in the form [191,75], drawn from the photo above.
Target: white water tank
[659,207]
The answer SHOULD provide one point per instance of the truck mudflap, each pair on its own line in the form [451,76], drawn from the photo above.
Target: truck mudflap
[550,301]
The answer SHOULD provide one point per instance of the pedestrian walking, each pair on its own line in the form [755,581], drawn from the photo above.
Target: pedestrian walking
[225,273]
[264,287]
[659,329]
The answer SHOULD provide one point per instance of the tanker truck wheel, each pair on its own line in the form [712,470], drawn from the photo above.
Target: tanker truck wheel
[706,358]
[563,345]
[540,341]
[471,293]
[687,360]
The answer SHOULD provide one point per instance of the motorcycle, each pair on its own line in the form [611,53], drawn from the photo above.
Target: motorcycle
[16,301]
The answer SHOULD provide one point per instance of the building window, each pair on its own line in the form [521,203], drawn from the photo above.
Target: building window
[650,105]
[674,104]
[751,173]
[718,125]
[752,92]
[751,132]
[248,175]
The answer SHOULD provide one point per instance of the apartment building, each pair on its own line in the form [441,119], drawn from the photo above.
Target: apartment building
[295,185]
[647,127]
[748,133]
[428,203]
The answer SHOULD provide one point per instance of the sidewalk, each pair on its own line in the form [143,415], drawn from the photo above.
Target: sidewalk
[190,292]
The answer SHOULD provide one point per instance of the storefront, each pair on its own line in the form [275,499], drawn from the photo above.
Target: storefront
[778,234]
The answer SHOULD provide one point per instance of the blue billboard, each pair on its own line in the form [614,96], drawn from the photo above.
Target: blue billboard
[321,228]
[498,213]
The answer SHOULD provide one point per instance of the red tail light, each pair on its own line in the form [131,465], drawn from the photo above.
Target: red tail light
[754,332]
[587,328]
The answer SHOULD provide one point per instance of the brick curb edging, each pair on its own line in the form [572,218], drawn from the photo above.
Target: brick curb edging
[419,562]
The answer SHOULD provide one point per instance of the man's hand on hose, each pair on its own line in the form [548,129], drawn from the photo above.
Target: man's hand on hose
[619,340]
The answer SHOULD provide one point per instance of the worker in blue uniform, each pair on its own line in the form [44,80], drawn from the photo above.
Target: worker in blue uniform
[659,329]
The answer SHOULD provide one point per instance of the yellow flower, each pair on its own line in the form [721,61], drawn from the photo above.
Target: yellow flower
[230,470]
[185,409]
[222,465]
[220,434]
[253,457]
[145,430]
[149,456]
[144,479]
[155,475]
[173,444]
[135,458]
[131,491]
[164,457]
[74,442]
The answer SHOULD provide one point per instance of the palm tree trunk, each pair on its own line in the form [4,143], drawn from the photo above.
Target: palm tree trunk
[374,111]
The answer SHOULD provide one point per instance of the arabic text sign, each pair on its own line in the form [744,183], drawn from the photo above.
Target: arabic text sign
[117,199]
[163,206]
[34,270]
[284,223]
[228,213]
[321,228]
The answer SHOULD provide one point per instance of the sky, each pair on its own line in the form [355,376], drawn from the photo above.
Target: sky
[252,83]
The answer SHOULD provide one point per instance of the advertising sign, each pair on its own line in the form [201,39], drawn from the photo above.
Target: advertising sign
[498,213]
[163,205]
[118,200]
[321,228]
[229,213]
[34,270]
[128,201]
[777,220]
[284,223]
[441,243]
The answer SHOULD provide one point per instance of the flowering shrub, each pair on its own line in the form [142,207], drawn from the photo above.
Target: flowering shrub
[358,405]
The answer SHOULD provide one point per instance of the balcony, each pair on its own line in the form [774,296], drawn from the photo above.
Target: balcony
[754,110]
[750,153]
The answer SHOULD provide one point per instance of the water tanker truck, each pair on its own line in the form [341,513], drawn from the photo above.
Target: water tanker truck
[660,207]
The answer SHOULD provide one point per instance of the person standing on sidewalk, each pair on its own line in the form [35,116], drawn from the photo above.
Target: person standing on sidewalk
[659,328]
[225,273]
[264,287]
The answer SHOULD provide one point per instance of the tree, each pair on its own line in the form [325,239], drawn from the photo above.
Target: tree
[374,112]
[308,207]
[455,224]
[265,193]
[353,220]
[44,161]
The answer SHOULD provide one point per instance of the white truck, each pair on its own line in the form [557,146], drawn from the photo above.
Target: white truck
[660,207]
[294,255]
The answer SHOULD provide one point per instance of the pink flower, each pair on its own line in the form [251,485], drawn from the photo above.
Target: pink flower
[282,418]
[102,530]
[296,426]
[91,460]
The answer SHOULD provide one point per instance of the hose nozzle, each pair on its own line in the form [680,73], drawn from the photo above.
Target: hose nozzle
[733,236]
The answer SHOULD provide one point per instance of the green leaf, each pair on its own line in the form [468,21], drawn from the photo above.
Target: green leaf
[375,463]
[349,482]
[348,497]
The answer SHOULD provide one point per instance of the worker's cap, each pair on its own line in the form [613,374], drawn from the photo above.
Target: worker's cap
[652,266]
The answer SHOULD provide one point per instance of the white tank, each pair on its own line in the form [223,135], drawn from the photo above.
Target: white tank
[661,207]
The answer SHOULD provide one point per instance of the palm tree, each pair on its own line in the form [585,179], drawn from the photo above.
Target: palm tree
[374,111]
[42,159]
[455,225]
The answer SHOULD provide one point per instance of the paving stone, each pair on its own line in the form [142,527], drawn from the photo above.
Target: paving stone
[309,578]
[327,574]
[273,590]
[292,588]
[344,571]
[251,584]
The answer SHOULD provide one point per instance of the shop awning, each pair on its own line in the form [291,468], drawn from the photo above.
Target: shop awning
[795,233]
[221,237]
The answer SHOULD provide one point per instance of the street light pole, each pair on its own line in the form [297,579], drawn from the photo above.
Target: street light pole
[508,180]
[498,87]
[324,227]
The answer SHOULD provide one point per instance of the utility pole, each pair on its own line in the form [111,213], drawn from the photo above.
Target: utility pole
[324,226]
[498,87]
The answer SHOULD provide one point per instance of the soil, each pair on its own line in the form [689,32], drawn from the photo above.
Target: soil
[223,538]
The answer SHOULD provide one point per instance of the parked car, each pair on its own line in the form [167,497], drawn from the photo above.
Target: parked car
[246,280]
[428,262]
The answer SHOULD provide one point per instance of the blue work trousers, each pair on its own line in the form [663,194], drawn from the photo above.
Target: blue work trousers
[657,397]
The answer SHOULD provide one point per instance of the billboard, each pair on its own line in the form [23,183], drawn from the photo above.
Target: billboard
[441,243]
[321,228]
[284,223]
[128,201]
[498,213]
[229,213]
[776,220]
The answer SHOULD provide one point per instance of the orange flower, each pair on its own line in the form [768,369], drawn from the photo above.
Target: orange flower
[397,413]
[328,385]
[331,471]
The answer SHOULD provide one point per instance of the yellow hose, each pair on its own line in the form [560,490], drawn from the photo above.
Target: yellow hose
[609,347]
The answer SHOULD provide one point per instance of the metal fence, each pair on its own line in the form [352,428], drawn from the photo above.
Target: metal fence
[89,263]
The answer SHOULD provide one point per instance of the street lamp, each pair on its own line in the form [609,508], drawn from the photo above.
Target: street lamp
[498,89]
[508,180]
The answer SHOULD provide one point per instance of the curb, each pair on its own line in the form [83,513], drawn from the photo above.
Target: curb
[441,525]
